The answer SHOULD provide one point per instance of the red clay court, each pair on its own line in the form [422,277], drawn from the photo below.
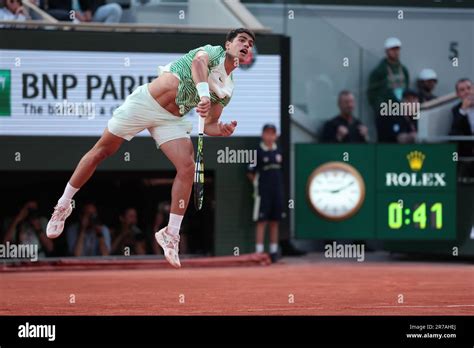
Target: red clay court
[317,286]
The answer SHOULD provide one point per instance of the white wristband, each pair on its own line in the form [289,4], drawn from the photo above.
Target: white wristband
[203,89]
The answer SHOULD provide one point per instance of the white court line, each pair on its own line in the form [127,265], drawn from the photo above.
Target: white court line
[439,306]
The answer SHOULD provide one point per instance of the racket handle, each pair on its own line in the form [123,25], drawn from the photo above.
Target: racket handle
[201,124]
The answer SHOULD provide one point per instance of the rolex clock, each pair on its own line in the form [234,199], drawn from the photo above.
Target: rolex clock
[335,191]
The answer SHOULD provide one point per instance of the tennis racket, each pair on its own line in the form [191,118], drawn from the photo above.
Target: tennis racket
[199,168]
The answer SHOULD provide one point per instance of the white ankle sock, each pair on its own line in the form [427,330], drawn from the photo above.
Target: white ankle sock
[69,192]
[174,224]
[259,248]
[273,248]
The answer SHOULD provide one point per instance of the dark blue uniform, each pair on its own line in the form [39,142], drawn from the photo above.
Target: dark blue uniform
[268,184]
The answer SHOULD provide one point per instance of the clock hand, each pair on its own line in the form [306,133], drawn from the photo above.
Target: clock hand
[342,188]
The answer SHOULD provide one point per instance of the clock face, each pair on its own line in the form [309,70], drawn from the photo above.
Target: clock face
[335,190]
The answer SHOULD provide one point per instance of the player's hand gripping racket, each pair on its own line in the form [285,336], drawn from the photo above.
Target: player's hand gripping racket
[199,168]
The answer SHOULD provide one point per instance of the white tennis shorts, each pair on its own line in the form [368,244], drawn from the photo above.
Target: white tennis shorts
[141,111]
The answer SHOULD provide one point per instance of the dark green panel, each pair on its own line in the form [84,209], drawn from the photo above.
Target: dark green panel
[408,176]
[463,245]
[393,208]
[308,224]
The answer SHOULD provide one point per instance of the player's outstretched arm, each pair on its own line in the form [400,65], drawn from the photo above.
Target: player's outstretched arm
[199,70]
[214,127]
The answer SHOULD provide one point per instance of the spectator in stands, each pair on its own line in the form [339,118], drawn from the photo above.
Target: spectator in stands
[14,11]
[463,116]
[99,11]
[90,11]
[128,235]
[60,9]
[28,227]
[345,127]
[88,237]
[402,129]
[387,82]
[427,80]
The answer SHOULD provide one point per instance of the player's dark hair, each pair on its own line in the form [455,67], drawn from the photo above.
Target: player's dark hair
[464,79]
[231,35]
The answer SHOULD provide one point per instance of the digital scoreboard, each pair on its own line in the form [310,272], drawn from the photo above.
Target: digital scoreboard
[376,191]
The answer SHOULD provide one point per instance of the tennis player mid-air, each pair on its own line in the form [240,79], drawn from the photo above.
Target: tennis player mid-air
[201,78]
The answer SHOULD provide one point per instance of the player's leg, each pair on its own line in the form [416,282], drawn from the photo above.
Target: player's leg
[106,146]
[134,115]
[181,153]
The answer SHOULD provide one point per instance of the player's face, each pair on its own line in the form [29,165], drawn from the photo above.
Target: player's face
[240,47]
[464,88]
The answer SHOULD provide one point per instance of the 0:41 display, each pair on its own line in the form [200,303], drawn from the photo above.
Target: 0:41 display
[398,216]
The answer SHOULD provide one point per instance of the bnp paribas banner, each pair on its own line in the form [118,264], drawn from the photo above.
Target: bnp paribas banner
[75,92]
[376,191]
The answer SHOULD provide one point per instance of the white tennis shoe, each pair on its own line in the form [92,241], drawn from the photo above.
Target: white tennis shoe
[170,245]
[56,223]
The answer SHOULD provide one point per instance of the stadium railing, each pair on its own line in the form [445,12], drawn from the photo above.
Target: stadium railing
[43,24]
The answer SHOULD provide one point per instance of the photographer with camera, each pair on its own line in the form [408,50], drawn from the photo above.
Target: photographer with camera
[127,234]
[28,227]
[89,237]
